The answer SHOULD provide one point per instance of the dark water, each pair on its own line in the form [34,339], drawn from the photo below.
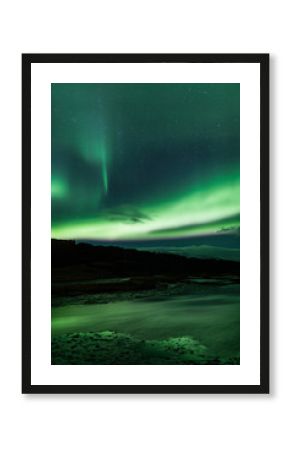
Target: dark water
[206,310]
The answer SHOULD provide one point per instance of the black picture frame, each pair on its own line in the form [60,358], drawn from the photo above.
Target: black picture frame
[27,61]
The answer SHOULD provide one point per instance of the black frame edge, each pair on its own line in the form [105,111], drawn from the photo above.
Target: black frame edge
[26,224]
[145,389]
[144,57]
[264,223]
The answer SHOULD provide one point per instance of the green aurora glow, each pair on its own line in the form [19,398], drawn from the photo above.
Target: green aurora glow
[145,162]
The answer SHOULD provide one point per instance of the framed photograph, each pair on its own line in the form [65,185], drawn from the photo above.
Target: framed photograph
[145,223]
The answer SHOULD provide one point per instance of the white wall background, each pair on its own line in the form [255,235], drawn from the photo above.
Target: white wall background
[142,422]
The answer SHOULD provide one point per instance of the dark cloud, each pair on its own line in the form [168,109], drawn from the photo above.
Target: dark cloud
[126,214]
[230,230]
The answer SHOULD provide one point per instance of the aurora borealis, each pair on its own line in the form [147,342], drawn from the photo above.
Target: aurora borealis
[147,164]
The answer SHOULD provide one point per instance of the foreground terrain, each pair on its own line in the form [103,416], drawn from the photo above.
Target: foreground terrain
[106,309]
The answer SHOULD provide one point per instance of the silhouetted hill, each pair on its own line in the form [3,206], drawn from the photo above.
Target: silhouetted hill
[115,261]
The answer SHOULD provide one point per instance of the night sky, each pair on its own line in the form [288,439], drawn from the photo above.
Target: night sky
[148,165]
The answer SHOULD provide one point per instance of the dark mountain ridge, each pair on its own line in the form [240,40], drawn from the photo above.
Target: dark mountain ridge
[116,261]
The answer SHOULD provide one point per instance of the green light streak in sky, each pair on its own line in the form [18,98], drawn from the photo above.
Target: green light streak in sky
[59,188]
[207,210]
[104,171]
